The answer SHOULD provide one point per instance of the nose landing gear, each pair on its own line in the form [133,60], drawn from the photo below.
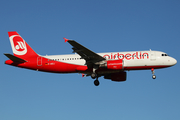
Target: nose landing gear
[153,76]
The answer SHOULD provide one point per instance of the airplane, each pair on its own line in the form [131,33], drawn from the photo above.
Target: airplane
[111,65]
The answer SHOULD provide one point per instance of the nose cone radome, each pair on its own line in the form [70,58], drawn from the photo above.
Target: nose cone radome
[173,61]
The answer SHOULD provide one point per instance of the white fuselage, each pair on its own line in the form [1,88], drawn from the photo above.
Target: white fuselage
[130,59]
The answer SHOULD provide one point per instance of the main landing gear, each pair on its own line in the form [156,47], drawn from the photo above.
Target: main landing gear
[93,76]
[153,76]
[96,82]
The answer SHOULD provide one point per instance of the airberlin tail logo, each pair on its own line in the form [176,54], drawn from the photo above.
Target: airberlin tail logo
[18,45]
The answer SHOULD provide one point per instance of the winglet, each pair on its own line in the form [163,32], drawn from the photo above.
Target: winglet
[65,39]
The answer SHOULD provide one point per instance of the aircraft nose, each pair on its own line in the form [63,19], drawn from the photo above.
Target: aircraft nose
[173,61]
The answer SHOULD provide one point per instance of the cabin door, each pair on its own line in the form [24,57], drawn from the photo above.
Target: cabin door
[39,61]
[153,55]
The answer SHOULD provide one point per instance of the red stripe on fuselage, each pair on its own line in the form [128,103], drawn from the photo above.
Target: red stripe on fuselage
[145,67]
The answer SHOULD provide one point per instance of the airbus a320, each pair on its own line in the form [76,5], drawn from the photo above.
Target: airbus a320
[111,65]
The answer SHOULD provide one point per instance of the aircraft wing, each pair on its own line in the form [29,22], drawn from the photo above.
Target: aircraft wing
[90,56]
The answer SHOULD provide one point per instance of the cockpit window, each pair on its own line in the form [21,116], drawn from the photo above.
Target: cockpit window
[165,55]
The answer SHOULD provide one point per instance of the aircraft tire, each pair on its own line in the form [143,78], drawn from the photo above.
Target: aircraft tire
[154,77]
[93,75]
[96,82]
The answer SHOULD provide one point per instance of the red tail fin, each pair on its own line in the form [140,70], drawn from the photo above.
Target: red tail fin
[19,46]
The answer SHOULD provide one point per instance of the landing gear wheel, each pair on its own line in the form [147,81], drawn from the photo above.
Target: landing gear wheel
[93,75]
[154,77]
[96,82]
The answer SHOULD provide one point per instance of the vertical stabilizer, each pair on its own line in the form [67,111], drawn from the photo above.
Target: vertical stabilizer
[19,46]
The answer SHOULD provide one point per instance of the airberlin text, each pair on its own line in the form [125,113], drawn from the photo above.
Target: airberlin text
[128,56]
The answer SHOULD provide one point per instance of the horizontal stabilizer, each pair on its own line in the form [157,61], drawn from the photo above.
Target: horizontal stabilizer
[14,58]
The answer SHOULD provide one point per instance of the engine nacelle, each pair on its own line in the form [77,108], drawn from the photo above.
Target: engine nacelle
[113,64]
[118,77]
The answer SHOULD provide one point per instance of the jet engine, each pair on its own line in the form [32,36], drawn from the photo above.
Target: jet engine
[118,77]
[113,64]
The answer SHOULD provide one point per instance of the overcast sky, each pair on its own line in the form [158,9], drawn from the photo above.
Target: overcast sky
[101,26]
